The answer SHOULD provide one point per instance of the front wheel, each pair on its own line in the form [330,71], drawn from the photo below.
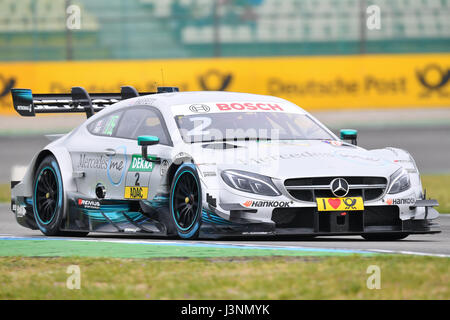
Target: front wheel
[384,236]
[186,202]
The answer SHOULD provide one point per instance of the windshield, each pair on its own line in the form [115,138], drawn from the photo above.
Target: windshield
[249,126]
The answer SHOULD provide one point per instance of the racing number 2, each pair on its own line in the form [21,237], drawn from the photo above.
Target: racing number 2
[136,175]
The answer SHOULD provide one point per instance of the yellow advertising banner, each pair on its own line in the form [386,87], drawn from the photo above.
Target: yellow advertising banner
[314,83]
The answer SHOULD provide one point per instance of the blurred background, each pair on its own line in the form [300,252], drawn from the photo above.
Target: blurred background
[380,66]
[35,30]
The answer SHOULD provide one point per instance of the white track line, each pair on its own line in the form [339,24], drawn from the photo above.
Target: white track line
[441,255]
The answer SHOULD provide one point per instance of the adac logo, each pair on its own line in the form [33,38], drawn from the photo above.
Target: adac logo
[214,80]
[6,84]
[433,78]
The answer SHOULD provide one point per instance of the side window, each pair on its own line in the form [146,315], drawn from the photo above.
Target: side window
[142,122]
[107,125]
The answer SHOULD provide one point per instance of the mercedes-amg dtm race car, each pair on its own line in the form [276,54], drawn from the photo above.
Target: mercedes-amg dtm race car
[211,164]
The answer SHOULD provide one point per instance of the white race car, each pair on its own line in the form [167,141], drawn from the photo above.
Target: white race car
[211,164]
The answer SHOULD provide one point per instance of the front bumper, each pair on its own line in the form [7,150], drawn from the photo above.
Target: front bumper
[298,221]
[410,216]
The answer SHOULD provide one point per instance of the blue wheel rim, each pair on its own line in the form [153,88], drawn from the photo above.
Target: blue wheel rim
[46,195]
[185,204]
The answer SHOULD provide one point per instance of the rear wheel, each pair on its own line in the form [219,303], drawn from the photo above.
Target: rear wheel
[186,202]
[385,236]
[48,199]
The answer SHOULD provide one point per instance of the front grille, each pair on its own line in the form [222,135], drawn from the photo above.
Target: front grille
[308,189]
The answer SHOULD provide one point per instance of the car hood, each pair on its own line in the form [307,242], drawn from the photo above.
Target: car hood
[288,159]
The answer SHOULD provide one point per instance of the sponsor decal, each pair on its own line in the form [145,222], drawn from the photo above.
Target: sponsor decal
[88,204]
[109,128]
[92,162]
[333,142]
[136,192]
[209,174]
[138,164]
[266,204]
[101,163]
[360,159]
[24,108]
[164,167]
[340,204]
[199,108]
[113,165]
[144,100]
[98,126]
[214,80]
[284,142]
[434,79]
[116,167]
[401,201]
[420,79]
[249,106]
[19,210]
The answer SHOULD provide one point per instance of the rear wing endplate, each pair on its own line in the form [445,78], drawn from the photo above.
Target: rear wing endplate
[28,104]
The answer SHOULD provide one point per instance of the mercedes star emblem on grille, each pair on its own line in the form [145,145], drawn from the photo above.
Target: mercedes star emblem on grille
[339,187]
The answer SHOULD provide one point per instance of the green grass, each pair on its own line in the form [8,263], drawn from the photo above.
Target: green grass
[5,193]
[106,249]
[402,277]
[438,187]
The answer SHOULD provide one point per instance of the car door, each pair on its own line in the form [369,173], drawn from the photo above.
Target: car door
[108,157]
[95,156]
[140,179]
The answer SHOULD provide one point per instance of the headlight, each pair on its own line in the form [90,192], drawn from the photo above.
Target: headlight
[414,163]
[399,182]
[250,182]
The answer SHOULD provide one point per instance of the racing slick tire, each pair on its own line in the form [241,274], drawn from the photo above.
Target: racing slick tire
[384,236]
[48,199]
[185,202]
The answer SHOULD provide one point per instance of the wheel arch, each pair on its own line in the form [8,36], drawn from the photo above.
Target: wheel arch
[64,161]
[179,160]
[171,173]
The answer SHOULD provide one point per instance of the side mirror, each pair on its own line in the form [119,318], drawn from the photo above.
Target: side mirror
[144,142]
[349,134]
[147,140]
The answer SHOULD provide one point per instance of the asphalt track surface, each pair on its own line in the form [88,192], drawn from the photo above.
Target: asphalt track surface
[432,244]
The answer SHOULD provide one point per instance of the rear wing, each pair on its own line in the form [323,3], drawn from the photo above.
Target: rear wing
[28,104]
